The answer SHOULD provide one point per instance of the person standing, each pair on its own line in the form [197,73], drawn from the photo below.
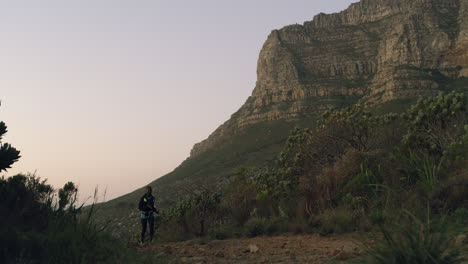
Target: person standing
[147,210]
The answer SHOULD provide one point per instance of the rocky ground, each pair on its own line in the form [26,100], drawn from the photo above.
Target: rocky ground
[278,249]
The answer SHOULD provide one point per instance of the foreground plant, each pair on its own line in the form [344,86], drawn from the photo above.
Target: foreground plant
[416,241]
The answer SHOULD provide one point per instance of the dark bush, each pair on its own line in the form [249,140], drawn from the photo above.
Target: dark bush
[35,227]
[416,241]
[256,227]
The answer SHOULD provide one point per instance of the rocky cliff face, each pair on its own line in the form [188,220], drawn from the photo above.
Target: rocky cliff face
[376,51]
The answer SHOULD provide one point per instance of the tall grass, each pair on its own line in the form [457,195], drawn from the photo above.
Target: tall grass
[413,241]
[39,226]
[423,169]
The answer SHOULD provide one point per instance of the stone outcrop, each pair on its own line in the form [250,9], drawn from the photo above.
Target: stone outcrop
[376,51]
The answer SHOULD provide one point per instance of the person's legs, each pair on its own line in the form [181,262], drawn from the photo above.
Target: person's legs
[143,229]
[151,227]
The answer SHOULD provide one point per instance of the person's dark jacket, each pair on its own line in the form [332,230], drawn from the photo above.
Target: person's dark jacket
[146,204]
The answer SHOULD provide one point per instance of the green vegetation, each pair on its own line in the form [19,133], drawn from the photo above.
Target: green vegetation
[189,217]
[255,146]
[8,154]
[355,170]
[41,225]
[416,241]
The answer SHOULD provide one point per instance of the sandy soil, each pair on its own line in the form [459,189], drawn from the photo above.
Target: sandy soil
[278,249]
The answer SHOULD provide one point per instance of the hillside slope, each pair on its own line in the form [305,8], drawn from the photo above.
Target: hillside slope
[385,52]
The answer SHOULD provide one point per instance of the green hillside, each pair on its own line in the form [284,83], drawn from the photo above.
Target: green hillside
[256,146]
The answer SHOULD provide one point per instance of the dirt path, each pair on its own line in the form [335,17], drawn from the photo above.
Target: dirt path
[279,249]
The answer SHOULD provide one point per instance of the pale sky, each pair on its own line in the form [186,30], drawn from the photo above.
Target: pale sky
[114,93]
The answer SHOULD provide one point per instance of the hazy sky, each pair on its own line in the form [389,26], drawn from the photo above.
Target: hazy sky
[114,93]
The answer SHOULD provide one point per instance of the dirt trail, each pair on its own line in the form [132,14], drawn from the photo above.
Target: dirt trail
[278,249]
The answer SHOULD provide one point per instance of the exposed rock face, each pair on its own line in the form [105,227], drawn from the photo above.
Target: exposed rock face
[376,50]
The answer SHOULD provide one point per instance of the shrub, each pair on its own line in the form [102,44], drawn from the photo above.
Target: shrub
[457,220]
[191,217]
[327,183]
[8,154]
[239,197]
[225,230]
[415,241]
[338,220]
[256,227]
[377,217]
[221,233]
[436,122]
[35,227]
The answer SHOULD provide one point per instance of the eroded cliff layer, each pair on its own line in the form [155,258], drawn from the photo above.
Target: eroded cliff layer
[376,51]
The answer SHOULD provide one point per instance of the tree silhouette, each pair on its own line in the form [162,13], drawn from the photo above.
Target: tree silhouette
[8,154]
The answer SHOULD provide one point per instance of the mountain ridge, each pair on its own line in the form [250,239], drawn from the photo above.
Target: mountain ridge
[375,50]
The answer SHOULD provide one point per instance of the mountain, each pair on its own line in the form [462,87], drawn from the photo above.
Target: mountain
[376,50]
[386,53]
